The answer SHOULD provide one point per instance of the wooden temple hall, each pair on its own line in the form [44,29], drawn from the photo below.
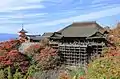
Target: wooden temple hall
[77,43]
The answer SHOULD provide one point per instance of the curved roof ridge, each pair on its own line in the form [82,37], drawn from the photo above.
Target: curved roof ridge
[83,23]
[86,22]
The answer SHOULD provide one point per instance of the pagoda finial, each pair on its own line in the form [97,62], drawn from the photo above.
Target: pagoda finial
[22,30]
[22,26]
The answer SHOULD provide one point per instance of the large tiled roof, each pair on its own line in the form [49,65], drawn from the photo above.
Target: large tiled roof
[81,29]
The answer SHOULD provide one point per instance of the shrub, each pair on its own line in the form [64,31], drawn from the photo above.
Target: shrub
[49,74]
[76,72]
[2,74]
[48,58]
[104,68]
[10,45]
[32,50]
[15,59]
[18,75]
[44,56]
[17,65]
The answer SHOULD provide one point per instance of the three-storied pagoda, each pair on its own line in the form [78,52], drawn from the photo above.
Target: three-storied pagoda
[22,35]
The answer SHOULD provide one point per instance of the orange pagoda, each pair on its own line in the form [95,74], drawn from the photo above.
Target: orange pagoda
[22,35]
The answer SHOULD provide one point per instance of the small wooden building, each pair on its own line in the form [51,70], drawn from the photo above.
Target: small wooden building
[79,42]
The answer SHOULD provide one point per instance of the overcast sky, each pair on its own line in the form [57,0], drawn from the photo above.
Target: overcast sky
[39,16]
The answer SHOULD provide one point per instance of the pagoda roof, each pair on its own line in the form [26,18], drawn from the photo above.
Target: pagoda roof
[23,31]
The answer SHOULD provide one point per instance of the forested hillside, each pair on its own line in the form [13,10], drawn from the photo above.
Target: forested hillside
[41,61]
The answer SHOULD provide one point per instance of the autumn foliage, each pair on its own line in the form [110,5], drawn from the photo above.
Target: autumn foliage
[10,56]
[108,66]
[114,37]
[9,45]
[45,56]
[39,55]
[114,34]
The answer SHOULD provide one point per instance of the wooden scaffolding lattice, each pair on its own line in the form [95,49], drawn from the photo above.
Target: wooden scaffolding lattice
[79,54]
[73,54]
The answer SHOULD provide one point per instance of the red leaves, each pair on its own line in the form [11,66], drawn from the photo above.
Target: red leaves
[9,45]
[48,51]
[6,63]
[13,57]
[13,53]
[33,50]
[45,56]
[39,52]
[48,58]
[10,56]
[2,58]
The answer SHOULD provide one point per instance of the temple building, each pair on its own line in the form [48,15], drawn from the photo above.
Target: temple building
[77,43]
